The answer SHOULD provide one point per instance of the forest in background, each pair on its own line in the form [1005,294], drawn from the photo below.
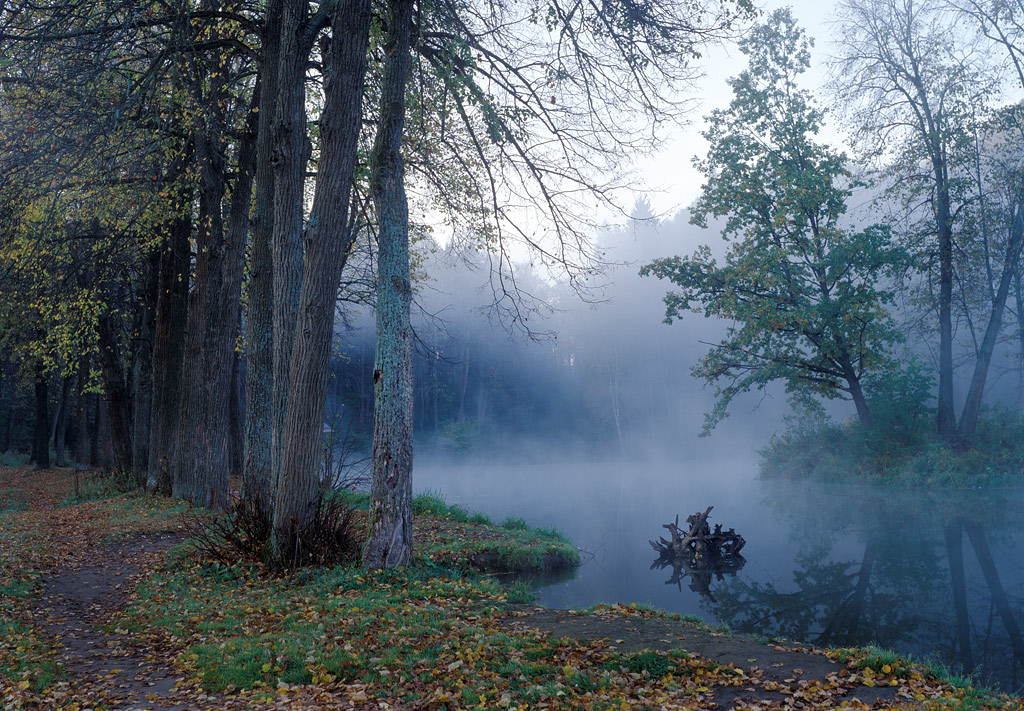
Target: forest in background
[189,189]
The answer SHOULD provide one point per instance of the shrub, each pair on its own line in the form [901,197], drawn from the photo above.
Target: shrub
[243,535]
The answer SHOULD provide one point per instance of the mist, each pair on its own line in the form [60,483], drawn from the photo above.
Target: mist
[584,417]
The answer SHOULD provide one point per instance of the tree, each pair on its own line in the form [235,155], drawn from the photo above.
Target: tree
[804,292]
[917,91]
[328,240]
[389,542]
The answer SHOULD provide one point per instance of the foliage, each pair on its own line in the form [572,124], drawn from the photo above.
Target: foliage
[458,435]
[910,453]
[806,295]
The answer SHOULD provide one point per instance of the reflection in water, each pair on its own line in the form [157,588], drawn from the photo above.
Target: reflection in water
[938,575]
[898,593]
[700,571]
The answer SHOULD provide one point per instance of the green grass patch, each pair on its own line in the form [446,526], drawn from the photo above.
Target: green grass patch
[450,536]
[432,503]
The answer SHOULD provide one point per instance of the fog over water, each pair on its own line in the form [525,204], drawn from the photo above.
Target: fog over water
[594,430]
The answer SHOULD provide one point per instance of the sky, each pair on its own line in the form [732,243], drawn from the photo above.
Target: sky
[672,181]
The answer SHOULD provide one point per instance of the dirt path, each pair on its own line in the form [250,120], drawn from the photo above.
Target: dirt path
[774,677]
[75,602]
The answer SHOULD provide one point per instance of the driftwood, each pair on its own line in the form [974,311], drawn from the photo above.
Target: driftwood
[699,553]
[699,542]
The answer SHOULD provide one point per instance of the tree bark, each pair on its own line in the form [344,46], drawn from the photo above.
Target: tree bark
[946,415]
[142,369]
[257,482]
[82,416]
[9,402]
[201,465]
[55,421]
[390,536]
[41,441]
[95,430]
[289,161]
[169,351]
[60,423]
[102,441]
[328,242]
[860,402]
[117,394]
[236,412]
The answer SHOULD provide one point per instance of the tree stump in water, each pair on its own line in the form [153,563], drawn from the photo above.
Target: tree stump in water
[699,553]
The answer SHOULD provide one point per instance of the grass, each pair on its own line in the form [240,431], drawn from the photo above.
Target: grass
[98,486]
[425,636]
[876,661]
[12,458]
[449,536]
[414,636]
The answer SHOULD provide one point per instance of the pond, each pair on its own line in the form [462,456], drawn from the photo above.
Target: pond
[828,564]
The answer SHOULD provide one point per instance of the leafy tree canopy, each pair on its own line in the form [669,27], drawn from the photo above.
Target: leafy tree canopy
[805,293]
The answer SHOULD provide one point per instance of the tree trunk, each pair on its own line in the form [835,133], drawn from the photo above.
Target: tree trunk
[857,394]
[201,465]
[95,430]
[9,427]
[9,402]
[390,536]
[117,394]
[41,441]
[142,370]
[104,447]
[55,422]
[169,351]
[289,161]
[969,418]
[59,438]
[257,482]
[236,412]
[1019,295]
[946,416]
[329,240]
[82,416]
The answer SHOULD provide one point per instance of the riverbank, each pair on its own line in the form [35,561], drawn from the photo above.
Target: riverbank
[145,620]
[908,455]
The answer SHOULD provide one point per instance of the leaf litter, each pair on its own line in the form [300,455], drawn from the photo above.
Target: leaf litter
[102,608]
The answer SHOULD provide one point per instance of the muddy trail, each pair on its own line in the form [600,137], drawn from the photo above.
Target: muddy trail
[76,605]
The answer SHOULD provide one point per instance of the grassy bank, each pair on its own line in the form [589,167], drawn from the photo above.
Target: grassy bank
[449,536]
[846,452]
[436,635]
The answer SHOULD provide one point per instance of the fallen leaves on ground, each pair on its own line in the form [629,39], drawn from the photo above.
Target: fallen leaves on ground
[210,636]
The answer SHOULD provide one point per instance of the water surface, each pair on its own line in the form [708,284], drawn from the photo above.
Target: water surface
[828,564]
